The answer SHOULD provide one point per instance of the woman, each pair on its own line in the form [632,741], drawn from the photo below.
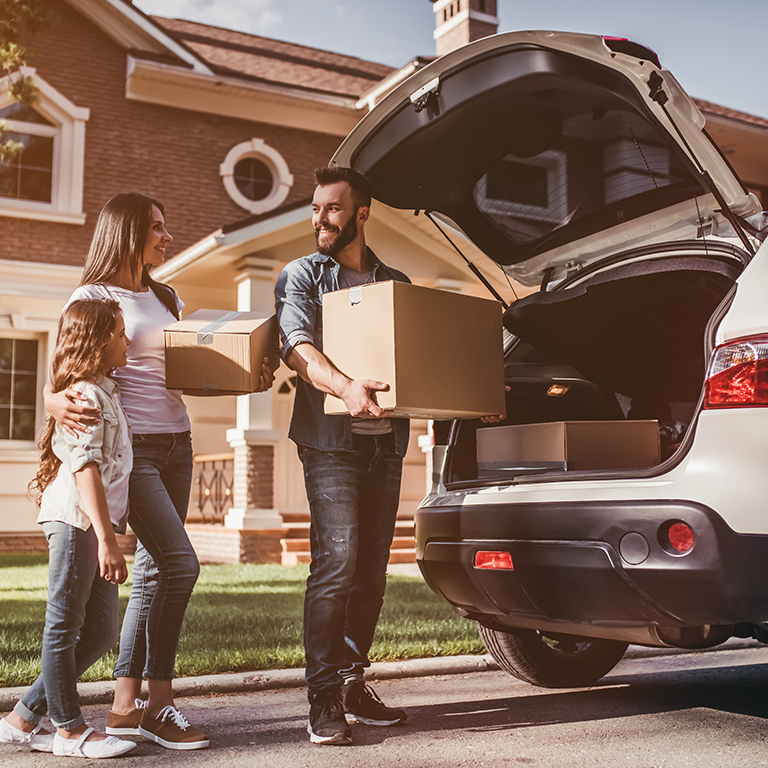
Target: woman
[130,238]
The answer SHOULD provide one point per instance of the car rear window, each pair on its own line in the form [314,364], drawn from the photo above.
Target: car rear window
[607,163]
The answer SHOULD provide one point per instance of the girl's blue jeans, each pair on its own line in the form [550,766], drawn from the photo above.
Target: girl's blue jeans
[166,567]
[81,625]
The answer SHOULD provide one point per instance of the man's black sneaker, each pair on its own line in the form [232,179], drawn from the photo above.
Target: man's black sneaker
[362,705]
[327,724]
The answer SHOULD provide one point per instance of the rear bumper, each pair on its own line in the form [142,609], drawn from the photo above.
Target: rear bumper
[571,564]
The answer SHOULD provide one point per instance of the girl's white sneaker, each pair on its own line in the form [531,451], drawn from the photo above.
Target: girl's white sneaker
[10,734]
[109,747]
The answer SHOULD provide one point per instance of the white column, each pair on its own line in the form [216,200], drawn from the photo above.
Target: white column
[254,427]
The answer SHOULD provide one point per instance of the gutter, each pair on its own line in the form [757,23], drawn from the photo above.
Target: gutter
[188,257]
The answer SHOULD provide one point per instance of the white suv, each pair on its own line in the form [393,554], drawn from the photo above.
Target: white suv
[582,168]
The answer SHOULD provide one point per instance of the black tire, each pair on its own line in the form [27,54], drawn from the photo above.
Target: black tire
[550,659]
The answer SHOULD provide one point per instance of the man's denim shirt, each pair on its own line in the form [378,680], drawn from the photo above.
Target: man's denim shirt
[299,302]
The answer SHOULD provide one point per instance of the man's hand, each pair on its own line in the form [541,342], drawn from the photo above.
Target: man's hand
[496,418]
[359,398]
[65,409]
[359,395]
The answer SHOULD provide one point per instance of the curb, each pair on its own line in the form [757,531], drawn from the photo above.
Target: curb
[243,682]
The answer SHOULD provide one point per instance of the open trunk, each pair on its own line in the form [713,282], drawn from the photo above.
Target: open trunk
[627,341]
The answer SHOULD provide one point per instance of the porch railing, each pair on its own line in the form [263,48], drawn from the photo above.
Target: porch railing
[213,476]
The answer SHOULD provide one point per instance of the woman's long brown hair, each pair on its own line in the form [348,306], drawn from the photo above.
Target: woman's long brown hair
[84,328]
[118,240]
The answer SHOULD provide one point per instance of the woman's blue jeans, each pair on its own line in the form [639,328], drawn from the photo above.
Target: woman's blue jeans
[81,625]
[166,567]
[353,500]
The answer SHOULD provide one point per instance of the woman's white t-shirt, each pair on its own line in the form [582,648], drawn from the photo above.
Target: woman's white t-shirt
[150,407]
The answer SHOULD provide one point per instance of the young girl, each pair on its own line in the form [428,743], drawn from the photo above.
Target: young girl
[83,480]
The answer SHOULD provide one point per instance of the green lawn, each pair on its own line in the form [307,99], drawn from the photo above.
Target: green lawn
[240,618]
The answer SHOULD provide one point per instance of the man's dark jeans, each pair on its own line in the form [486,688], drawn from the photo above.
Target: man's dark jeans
[353,499]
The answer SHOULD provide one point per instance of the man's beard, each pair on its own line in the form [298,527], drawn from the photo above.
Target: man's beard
[344,237]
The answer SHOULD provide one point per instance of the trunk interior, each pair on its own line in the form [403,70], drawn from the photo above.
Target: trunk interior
[627,343]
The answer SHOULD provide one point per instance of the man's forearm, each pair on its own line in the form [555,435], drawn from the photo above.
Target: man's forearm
[314,367]
[357,394]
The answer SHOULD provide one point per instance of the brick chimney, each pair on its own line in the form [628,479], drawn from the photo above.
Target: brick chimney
[458,22]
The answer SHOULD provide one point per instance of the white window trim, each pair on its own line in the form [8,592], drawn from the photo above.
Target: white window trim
[282,178]
[48,286]
[69,120]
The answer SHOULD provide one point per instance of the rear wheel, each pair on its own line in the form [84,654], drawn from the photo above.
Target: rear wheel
[552,660]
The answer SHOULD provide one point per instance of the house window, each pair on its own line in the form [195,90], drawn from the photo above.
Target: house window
[253,178]
[44,181]
[29,175]
[256,176]
[18,388]
[288,386]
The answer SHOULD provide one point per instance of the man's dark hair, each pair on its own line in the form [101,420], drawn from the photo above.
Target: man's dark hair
[359,184]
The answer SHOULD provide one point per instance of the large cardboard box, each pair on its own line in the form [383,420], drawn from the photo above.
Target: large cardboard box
[214,352]
[441,353]
[568,445]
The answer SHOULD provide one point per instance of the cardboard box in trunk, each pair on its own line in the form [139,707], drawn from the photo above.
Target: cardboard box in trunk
[441,353]
[214,352]
[567,445]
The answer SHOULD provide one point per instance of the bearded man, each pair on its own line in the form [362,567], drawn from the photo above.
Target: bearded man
[352,465]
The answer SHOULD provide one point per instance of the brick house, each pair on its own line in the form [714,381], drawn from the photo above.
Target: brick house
[225,128]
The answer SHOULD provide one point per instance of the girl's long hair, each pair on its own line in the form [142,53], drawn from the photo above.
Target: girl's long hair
[118,240]
[84,328]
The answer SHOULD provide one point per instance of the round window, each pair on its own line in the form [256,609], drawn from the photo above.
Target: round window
[256,176]
[253,178]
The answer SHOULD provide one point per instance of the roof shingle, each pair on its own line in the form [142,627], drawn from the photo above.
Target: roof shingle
[238,54]
[275,62]
[715,109]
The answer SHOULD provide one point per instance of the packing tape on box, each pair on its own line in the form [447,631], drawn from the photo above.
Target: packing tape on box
[356,295]
[205,334]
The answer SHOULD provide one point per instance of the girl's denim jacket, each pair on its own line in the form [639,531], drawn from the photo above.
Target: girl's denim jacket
[103,445]
[299,301]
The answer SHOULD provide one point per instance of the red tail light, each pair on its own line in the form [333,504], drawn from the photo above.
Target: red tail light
[738,374]
[501,561]
[681,537]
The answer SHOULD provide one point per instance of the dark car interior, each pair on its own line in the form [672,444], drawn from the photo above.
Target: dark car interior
[629,343]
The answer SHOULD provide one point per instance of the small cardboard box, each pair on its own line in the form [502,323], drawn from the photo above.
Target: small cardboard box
[441,353]
[567,445]
[214,352]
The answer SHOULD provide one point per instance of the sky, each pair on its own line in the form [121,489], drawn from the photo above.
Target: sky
[715,49]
